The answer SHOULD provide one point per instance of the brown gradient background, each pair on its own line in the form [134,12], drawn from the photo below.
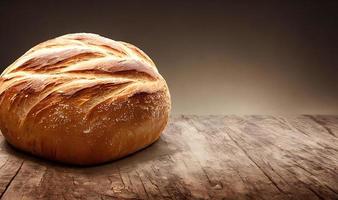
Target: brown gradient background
[232,57]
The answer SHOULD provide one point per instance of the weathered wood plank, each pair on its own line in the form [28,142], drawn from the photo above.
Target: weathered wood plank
[10,165]
[222,158]
[198,157]
[288,157]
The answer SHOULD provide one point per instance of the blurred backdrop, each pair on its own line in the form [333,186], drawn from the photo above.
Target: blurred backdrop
[218,57]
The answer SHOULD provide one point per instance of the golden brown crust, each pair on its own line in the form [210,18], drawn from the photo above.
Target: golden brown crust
[83,99]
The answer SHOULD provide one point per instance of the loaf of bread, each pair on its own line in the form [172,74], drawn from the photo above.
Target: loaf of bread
[83,99]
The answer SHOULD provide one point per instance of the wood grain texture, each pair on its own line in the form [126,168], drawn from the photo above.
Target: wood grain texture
[198,157]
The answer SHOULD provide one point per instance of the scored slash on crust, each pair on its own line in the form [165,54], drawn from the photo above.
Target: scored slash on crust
[76,62]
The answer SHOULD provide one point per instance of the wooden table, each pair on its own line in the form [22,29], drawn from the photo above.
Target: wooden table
[198,157]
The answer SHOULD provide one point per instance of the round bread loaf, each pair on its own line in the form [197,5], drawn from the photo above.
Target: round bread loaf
[83,99]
